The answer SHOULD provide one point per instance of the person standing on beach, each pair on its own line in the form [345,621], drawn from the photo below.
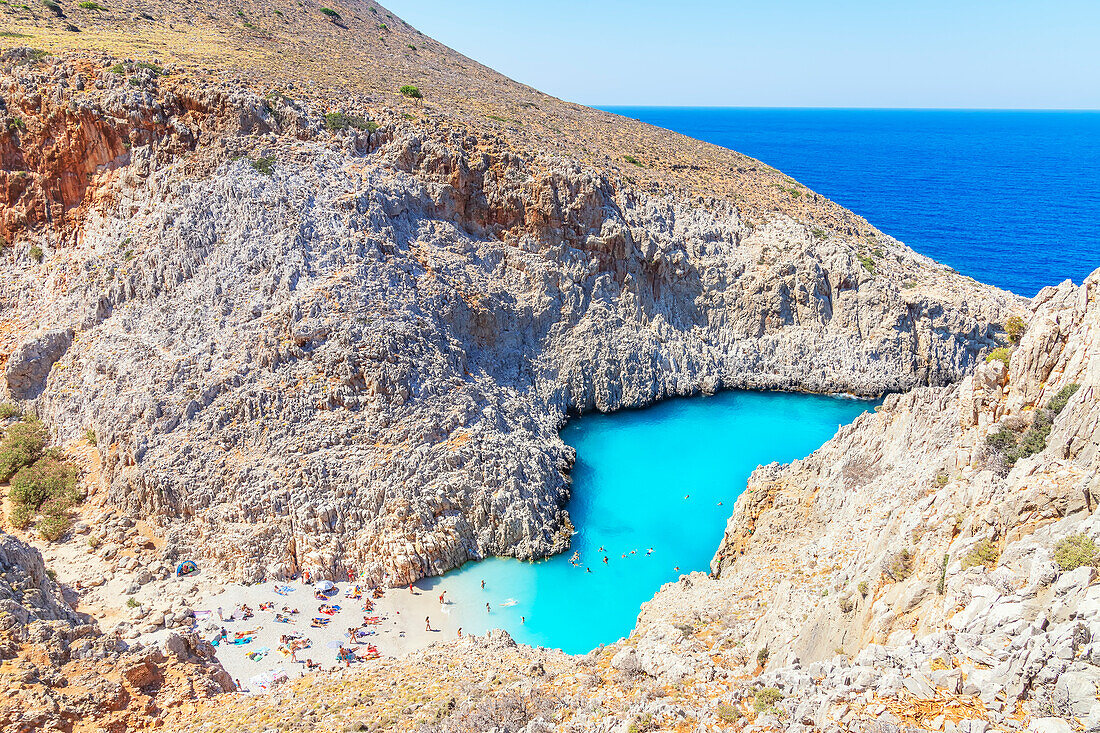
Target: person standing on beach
[443,598]
[427,623]
[459,632]
[220,617]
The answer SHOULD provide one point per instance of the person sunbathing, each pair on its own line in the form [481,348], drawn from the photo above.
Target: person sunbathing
[288,609]
[267,606]
[319,595]
[318,623]
[310,664]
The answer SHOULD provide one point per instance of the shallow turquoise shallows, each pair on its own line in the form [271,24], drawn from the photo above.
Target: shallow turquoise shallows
[663,479]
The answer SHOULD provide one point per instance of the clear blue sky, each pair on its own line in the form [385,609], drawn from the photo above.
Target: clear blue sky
[843,53]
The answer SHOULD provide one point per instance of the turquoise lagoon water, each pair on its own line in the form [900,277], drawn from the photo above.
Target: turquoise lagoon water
[665,478]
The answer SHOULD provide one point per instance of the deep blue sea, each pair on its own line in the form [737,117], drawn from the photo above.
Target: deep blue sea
[652,490]
[1010,198]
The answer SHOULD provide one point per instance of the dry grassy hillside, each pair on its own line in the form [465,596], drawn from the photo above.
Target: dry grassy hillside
[358,60]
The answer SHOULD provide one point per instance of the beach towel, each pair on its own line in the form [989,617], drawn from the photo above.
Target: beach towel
[242,640]
[258,654]
[283,589]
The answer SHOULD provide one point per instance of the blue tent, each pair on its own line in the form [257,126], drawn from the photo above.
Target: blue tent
[187,567]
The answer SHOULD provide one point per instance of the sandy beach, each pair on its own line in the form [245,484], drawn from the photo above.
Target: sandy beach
[400,628]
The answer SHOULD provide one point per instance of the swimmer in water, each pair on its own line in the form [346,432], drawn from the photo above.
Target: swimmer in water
[649,551]
[489,611]
[605,559]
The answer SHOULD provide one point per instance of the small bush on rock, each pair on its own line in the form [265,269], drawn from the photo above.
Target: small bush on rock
[984,553]
[7,410]
[53,527]
[1002,355]
[48,480]
[1075,551]
[766,699]
[1059,401]
[411,92]
[331,13]
[1015,328]
[22,445]
[762,657]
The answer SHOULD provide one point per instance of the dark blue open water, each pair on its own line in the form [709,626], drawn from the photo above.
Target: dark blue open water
[1010,198]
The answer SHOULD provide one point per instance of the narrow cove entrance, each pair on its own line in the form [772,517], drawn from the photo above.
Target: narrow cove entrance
[652,490]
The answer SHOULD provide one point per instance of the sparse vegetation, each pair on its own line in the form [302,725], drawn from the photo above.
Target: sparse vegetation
[131,602]
[1015,329]
[331,13]
[1003,440]
[1075,551]
[940,586]
[22,445]
[7,410]
[13,34]
[53,7]
[36,253]
[862,587]
[984,553]
[633,161]
[762,657]
[941,480]
[765,700]
[728,713]
[89,5]
[89,435]
[867,262]
[411,92]
[1059,401]
[264,164]
[1003,355]
[902,565]
[819,233]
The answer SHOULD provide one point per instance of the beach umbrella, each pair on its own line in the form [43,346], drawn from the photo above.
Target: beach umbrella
[325,585]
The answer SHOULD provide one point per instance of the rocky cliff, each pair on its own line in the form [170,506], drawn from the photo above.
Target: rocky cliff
[329,348]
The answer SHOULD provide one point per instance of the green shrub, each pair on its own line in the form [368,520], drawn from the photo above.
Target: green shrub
[331,13]
[762,657]
[862,587]
[1059,401]
[22,445]
[902,565]
[867,262]
[634,161]
[766,699]
[1075,551]
[131,602]
[151,67]
[53,527]
[47,480]
[336,121]
[89,5]
[941,480]
[411,92]
[21,516]
[118,69]
[411,47]
[1003,440]
[53,7]
[89,435]
[1015,328]
[1035,439]
[7,410]
[264,165]
[940,586]
[36,253]
[728,713]
[1002,355]
[984,553]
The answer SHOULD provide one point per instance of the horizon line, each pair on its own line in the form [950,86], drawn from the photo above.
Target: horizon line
[848,108]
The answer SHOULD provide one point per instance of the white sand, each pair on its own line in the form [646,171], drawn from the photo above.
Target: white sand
[400,631]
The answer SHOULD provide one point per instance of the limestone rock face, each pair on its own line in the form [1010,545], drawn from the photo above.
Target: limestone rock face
[30,363]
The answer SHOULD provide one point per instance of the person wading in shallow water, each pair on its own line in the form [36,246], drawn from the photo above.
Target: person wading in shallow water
[487,608]
[483,585]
